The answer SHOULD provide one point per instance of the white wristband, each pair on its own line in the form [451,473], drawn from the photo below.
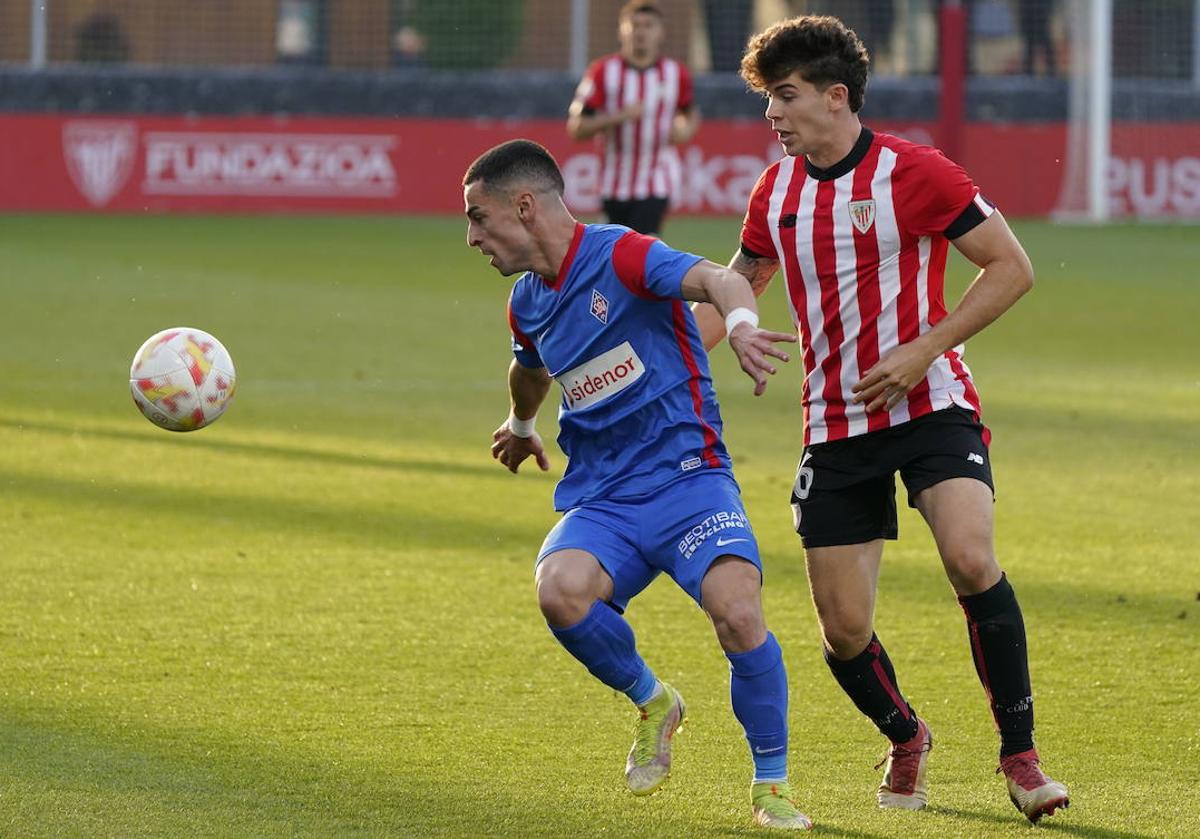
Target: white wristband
[522,427]
[740,315]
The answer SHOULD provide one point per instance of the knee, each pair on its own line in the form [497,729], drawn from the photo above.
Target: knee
[566,592]
[739,624]
[971,569]
[846,636]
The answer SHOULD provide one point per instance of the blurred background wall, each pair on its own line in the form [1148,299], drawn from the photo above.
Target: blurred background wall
[1020,113]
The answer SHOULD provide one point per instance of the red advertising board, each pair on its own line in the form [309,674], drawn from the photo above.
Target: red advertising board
[303,164]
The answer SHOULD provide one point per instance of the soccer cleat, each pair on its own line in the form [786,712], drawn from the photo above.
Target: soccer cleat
[774,807]
[904,779]
[649,763]
[1031,791]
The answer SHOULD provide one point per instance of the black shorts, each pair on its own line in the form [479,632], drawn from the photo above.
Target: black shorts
[845,490]
[645,215]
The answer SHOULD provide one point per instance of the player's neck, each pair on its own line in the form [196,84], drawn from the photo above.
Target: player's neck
[839,143]
[639,62]
[554,243]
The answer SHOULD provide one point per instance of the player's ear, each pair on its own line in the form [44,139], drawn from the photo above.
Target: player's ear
[838,96]
[525,206]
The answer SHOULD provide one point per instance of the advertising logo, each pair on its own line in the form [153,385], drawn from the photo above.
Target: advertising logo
[99,157]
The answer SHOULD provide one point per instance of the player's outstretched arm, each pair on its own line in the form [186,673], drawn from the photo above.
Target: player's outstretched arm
[516,438]
[758,270]
[733,299]
[1007,274]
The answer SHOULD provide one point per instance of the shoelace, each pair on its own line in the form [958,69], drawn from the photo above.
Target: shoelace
[779,802]
[1025,771]
[645,734]
[900,751]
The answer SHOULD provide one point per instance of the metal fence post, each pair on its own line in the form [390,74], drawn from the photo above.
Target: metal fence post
[37,33]
[580,10]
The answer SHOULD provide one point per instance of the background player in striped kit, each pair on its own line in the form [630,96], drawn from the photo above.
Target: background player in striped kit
[649,486]
[641,102]
[861,223]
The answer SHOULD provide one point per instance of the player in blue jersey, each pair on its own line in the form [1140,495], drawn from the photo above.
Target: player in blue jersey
[648,485]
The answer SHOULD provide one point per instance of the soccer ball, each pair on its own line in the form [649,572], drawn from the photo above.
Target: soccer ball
[182,379]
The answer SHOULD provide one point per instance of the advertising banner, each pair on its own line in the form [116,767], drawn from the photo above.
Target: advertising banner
[307,164]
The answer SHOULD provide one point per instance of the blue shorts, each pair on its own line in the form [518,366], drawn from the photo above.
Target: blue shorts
[681,530]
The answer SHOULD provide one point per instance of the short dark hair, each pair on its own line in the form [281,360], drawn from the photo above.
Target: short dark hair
[636,7]
[504,165]
[822,49]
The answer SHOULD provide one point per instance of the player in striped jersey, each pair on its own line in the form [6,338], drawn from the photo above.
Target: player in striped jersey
[648,486]
[641,102]
[860,223]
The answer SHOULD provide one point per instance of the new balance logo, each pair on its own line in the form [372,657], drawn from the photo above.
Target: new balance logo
[975,458]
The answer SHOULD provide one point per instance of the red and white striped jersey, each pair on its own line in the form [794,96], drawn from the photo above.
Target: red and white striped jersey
[863,249]
[634,167]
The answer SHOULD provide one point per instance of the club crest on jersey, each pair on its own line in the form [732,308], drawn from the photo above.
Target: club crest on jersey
[862,214]
[599,306]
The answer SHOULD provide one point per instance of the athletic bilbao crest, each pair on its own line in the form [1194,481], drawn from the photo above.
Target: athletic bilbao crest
[862,213]
[599,306]
[99,157]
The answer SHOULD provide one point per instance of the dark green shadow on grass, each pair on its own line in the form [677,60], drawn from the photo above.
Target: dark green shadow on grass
[485,468]
[81,777]
[83,774]
[1059,823]
[391,523]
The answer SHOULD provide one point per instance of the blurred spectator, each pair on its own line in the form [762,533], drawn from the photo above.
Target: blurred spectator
[408,47]
[299,32]
[100,40]
[1034,17]
[639,102]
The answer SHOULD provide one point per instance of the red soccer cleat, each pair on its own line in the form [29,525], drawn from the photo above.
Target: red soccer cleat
[904,779]
[1031,791]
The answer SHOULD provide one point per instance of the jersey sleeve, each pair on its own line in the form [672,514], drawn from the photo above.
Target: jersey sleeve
[936,196]
[590,92]
[649,268]
[686,97]
[756,232]
[523,349]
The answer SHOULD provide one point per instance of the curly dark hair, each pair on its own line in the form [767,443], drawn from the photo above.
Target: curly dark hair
[822,49]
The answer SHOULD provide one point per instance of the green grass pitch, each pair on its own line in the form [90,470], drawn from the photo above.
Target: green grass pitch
[316,618]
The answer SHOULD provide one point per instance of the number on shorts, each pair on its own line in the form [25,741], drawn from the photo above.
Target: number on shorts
[804,478]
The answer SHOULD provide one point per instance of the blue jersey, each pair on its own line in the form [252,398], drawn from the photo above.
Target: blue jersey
[638,409]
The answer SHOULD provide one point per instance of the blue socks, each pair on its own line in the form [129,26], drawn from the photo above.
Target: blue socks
[758,688]
[604,643]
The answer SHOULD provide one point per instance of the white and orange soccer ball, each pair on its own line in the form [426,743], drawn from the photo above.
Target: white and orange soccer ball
[182,379]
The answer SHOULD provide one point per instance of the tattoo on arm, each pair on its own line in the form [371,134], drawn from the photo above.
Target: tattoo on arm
[758,270]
